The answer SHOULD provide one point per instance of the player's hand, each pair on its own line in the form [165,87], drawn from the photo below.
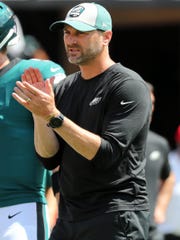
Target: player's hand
[34,77]
[36,95]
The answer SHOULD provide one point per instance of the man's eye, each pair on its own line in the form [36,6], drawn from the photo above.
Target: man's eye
[81,33]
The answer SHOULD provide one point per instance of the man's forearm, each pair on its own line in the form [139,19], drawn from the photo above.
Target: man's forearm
[45,140]
[82,141]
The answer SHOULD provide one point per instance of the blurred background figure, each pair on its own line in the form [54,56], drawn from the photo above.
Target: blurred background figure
[171,227]
[34,49]
[160,179]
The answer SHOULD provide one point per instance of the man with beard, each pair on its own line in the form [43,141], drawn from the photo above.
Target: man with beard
[94,125]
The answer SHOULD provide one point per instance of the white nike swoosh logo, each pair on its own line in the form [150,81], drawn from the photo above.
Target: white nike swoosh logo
[125,103]
[54,69]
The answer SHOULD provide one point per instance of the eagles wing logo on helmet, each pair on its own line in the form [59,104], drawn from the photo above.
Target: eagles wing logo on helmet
[7,25]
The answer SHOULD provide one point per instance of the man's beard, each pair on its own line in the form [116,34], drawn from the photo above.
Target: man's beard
[85,57]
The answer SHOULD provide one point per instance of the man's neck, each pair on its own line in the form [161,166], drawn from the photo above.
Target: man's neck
[94,69]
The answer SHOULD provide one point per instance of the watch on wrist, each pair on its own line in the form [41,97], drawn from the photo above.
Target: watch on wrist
[56,122]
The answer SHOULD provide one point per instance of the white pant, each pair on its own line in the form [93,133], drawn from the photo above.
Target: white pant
[19,222]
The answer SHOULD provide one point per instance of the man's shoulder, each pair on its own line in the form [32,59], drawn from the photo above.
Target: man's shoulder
[73,77]
[128,73]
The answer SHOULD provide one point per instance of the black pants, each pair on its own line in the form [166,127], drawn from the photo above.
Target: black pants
[123,225]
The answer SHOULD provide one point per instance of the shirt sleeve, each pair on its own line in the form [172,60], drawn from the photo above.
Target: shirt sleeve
[49,163]
[127,114]
[54,161]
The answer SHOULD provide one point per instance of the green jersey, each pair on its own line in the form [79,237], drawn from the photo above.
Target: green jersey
[22,176]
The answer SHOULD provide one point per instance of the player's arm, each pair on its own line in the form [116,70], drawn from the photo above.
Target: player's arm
[46,142]
[163,198]
[52,207]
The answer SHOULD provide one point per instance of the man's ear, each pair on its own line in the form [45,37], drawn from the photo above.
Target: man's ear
[107,37]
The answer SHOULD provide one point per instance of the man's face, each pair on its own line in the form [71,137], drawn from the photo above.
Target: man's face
[82,47]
